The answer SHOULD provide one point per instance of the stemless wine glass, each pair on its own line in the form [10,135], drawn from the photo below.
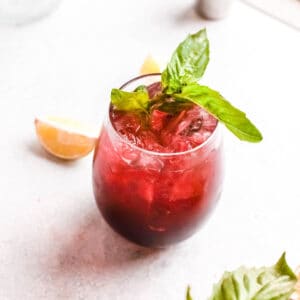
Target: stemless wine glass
[155,199]
[17,12]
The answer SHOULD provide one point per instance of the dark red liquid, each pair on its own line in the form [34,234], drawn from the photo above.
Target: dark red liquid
[151,199]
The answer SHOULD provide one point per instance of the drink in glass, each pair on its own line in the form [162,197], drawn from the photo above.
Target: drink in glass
[156,177]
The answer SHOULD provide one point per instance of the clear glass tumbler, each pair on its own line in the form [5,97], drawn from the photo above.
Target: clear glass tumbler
[155,199]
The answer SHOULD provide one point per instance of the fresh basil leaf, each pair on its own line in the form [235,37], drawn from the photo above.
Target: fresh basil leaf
[188,294]
[130,101]
[213,102]
[141,88]
[272,283]
[187,63]
[173,107]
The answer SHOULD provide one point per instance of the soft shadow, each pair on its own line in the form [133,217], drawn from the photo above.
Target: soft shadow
[34,148]
[93,247]
[190,15]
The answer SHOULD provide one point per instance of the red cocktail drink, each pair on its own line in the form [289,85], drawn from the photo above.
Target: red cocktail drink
[156,176]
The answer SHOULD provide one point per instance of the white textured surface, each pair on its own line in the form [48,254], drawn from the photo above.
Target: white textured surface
[53,243]
[19,12]
[287,11]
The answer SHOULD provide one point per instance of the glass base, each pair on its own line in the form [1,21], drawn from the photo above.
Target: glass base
[19,12]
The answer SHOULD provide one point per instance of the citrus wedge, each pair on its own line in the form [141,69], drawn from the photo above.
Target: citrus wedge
[65,138]
[149,66]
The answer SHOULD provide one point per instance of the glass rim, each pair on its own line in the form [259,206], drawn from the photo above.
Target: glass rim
[150,152]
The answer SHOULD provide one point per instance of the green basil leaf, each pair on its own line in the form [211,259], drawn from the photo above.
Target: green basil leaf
[234,119]
[267,283]
[130,101]
[187,63]
[141,88]
[188,294]
[173,107]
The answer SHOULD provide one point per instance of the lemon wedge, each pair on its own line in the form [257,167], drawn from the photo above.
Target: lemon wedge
[149,66]
[65,138]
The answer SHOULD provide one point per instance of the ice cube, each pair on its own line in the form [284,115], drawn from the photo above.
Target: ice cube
[128,154]
[127,124]
[148,140]
[158,119]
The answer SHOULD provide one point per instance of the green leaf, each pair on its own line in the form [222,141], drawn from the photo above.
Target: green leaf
[272,283]
[130,101]
[234,119]
[187,63]
[188,294]
[141,88]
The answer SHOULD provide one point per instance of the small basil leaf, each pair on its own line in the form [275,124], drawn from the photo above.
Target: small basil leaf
[173,107]
[187,63]
[188,294]
[130,101]
[141,88]
[234,119]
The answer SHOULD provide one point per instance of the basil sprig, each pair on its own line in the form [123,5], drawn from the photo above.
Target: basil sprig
[267,283]
[179,81]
